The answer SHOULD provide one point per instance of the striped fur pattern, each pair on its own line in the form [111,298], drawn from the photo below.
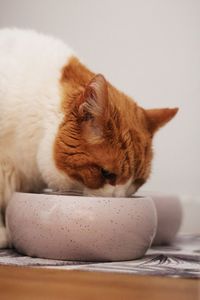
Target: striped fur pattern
[105,139]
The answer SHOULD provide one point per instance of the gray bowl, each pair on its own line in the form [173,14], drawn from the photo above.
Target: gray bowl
[170,215]
[81,228]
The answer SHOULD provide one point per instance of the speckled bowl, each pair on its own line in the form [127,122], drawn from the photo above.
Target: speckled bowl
[81,228]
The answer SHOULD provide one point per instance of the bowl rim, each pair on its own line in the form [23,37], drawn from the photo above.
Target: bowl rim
[83,197]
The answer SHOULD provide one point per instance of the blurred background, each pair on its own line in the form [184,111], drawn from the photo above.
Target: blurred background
[150,49]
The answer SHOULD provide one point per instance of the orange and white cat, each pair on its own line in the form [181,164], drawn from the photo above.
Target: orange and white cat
[64,127]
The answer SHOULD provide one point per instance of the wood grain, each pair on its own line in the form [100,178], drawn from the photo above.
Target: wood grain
[28,283]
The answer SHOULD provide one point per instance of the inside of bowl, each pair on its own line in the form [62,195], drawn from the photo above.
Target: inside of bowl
[77,193]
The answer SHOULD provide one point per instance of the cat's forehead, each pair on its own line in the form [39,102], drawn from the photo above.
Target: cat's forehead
[123,102]
[130,114]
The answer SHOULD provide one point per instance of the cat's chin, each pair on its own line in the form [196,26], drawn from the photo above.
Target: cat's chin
[106,191]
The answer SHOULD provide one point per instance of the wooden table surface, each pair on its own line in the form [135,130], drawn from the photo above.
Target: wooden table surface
[29,283]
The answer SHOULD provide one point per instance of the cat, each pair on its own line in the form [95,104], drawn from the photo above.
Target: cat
[64,127]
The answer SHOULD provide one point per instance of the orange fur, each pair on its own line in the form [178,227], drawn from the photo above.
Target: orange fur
[103,128]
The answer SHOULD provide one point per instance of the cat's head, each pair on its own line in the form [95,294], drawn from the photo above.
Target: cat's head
[105,140]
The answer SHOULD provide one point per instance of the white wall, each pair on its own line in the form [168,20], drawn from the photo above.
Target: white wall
[149,49]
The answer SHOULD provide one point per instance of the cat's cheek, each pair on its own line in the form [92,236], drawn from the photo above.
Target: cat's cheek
[131,190]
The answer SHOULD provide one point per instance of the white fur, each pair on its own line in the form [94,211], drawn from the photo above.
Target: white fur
[30,68]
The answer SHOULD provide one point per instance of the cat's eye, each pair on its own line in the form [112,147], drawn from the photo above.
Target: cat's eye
[108,175]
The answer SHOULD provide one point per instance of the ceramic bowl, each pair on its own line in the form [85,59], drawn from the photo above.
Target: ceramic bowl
[169,213]
[81,228]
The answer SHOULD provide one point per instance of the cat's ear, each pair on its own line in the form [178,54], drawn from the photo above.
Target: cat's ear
[156,118]
[94,99]
[93,109]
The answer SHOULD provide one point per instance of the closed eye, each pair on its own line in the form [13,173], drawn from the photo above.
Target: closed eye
[108,175]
